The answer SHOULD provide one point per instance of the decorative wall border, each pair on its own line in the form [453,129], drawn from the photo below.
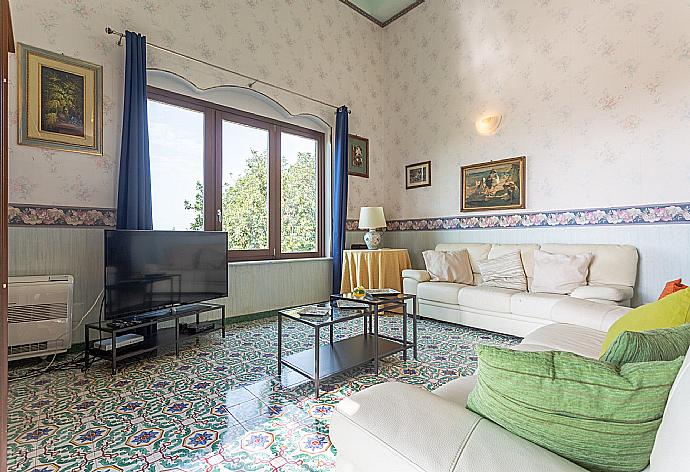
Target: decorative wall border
[635,215]
[54,216]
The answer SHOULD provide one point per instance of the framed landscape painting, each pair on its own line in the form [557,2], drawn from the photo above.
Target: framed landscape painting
[418,175]
[60,101]
[358,156]
[495,185]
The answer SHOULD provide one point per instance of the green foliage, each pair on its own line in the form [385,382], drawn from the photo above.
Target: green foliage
[198,207]
[245,205]
[299,204]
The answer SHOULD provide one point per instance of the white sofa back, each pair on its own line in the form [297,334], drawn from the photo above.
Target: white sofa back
[612,264]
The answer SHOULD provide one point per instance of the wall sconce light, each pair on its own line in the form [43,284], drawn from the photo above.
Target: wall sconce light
[488,124]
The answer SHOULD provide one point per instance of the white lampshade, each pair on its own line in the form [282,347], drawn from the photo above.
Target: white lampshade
[371,218]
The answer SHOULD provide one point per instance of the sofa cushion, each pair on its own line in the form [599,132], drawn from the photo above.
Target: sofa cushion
[526,254]
[559,273]
[449,266]
[367,428]
[587,313]
[588,411]
[534,305]
[671,451]
[612,264]
[477,251]
[614,293]
[443,292]
[504,272]
[486,298]
[457,390]
[649,346]
[566,337]
[670,311]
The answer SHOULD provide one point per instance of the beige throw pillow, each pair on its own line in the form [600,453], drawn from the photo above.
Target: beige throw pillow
[559,273]
[504,272]
[451,266]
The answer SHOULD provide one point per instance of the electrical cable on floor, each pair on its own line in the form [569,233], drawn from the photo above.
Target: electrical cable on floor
[68,364]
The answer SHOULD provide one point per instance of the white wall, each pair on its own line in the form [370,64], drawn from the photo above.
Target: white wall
[594,93]
[320,48]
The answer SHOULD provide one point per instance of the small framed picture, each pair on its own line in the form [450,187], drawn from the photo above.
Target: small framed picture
[418,175]
[358,156]
[60,101]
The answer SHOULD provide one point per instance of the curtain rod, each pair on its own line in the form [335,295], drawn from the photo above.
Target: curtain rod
[254,80]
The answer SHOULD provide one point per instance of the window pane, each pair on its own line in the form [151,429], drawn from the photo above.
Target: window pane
[245,186]
[299,194]
[176,143]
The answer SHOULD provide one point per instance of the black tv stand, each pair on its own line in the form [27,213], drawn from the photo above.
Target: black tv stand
[146,324]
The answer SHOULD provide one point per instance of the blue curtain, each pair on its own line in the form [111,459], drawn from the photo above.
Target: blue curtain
[134,186]
[339,195]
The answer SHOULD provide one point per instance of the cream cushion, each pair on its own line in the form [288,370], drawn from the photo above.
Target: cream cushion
[567,337]
[614,293]
[535,305]
[586,313]
[505,271]
[559,273]
[450,266]
[442,292]
[485,298]
[478,252]
[612,264]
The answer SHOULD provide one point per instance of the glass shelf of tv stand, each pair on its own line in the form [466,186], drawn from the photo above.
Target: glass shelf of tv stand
[153,339]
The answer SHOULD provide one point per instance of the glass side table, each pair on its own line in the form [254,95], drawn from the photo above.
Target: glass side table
[338,356]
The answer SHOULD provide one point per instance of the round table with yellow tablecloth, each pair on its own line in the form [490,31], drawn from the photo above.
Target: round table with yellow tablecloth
[380,268]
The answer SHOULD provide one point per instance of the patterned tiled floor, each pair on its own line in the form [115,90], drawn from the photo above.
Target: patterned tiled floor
[217,407]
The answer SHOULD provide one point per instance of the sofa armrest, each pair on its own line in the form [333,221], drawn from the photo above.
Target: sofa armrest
[612,293]
[418,275]
[400,427]
[395,426]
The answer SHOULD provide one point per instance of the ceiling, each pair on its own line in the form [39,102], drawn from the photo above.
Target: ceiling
[382,12]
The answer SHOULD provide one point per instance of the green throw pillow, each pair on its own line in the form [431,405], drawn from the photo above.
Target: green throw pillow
[671,311]
[597,415]
[654,345]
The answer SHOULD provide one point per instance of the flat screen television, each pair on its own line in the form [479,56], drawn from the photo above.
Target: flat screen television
[150,270]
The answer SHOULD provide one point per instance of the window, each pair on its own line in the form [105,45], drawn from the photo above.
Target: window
[258,179]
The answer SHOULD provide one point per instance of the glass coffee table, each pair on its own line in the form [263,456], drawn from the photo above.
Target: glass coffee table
[337,356]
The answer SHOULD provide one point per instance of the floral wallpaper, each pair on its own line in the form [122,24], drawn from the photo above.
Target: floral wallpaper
[320,48]
[594,93]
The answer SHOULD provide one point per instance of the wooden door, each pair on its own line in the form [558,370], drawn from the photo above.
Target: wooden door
[6,46]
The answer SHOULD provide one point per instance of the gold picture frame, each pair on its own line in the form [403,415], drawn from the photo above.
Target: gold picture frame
[495,185]
[60,101]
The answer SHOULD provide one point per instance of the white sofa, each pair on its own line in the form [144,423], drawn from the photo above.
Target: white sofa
[597,305]
[395,427]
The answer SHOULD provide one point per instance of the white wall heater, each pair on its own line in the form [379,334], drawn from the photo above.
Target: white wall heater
[39,315]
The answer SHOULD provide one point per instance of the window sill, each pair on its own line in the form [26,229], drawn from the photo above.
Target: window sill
[280,261]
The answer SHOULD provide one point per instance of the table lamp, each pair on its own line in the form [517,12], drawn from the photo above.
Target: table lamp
[372,218]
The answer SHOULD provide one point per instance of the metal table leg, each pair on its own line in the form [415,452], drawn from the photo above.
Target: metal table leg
[317,352]
[114,353]
[376,340]
[414,327]
[331,334]
[177,337]
[222,320]
[280,343]
[404,320]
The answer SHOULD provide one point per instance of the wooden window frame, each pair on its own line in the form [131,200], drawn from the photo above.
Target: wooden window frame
[214,115]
